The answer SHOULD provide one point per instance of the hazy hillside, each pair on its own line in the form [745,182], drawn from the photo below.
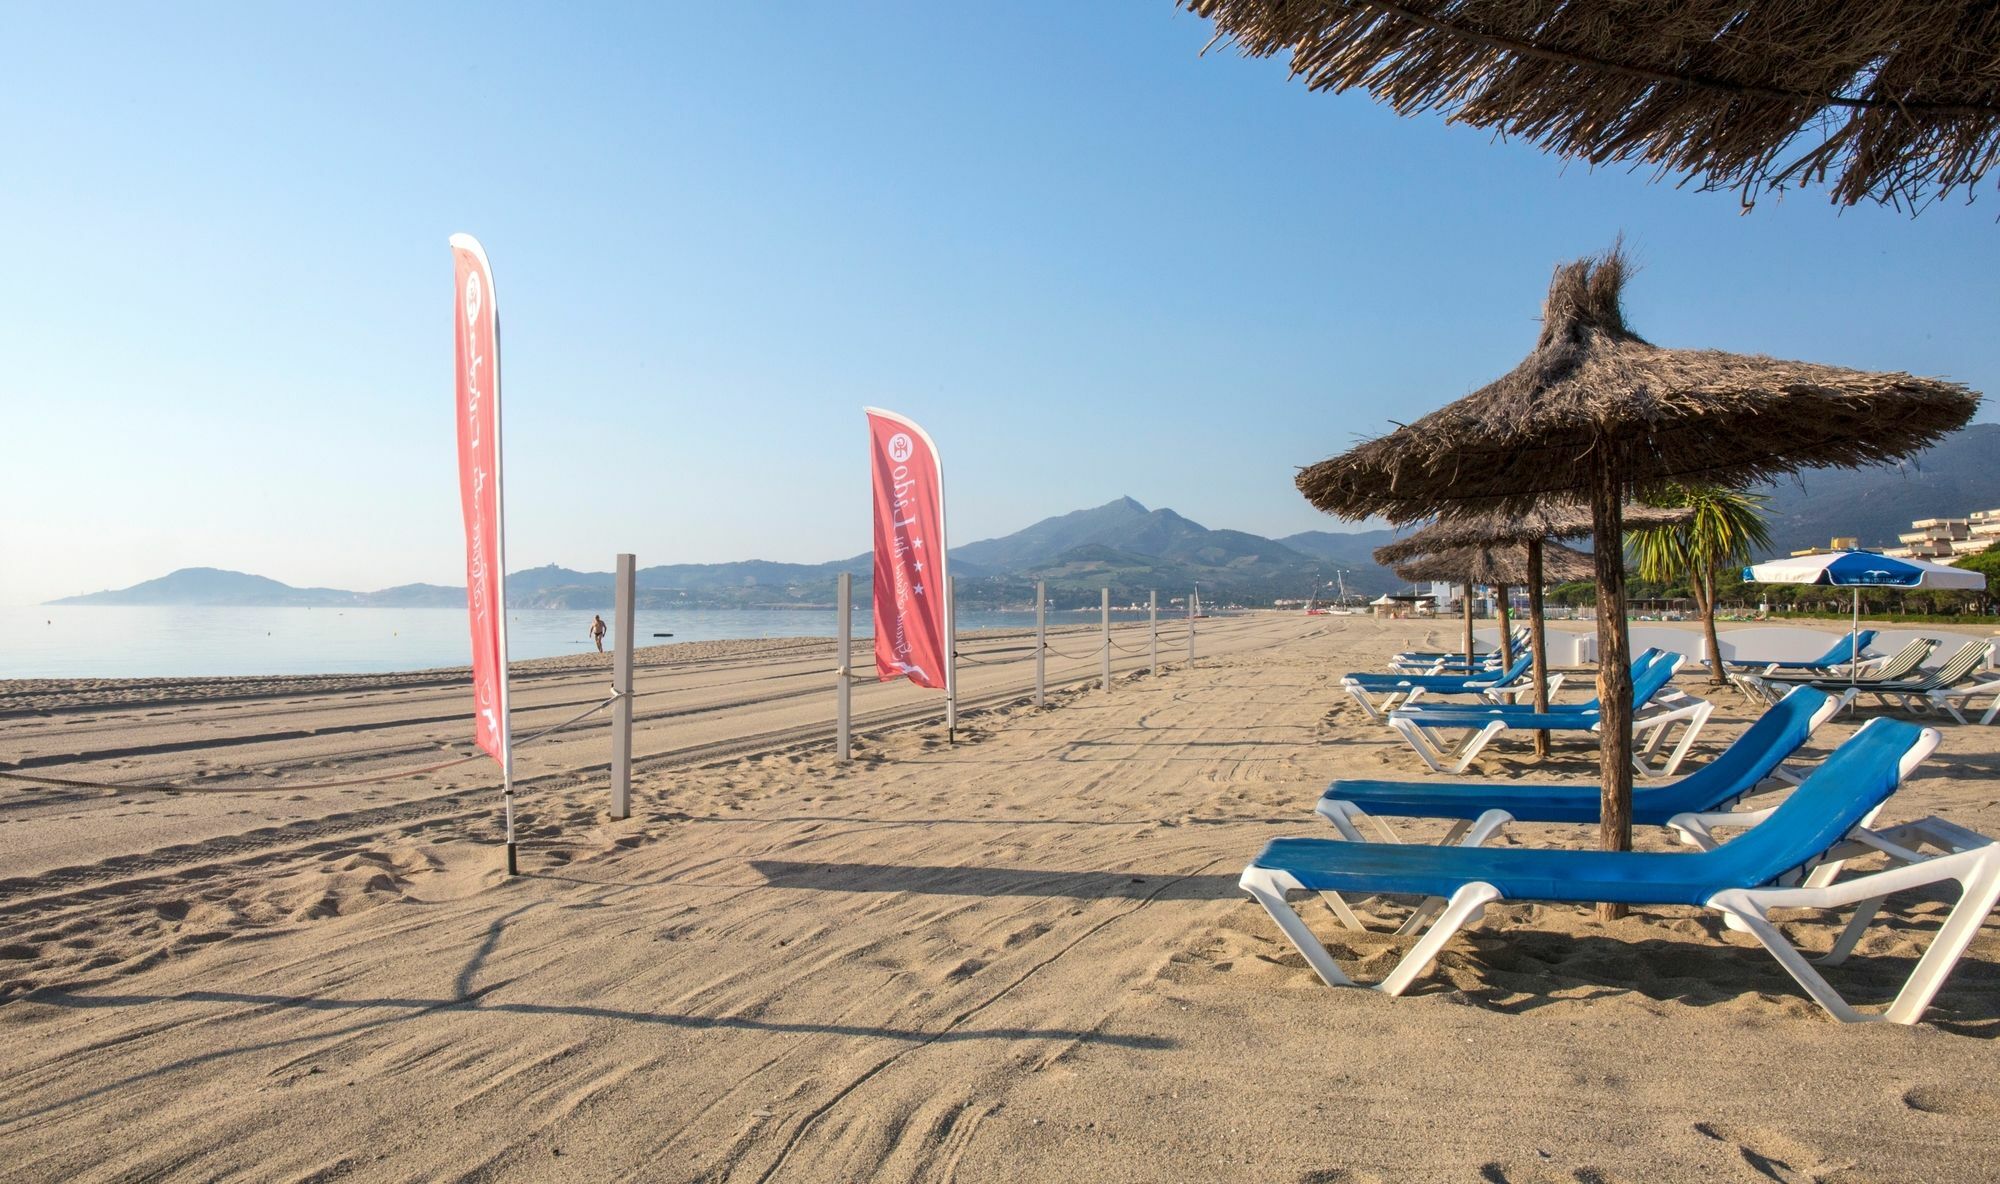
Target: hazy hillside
[214,586]
[1350,552]
[1121,545]
[1949,481]
[1133,550]
[1126,526]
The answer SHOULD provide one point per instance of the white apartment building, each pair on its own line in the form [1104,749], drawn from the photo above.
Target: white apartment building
[1944,539]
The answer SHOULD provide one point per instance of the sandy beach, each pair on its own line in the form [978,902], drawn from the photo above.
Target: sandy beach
[1022,956]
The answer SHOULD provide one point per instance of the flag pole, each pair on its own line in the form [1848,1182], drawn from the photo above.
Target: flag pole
[500,583]
[1854,635]
[950,611]
[950,649]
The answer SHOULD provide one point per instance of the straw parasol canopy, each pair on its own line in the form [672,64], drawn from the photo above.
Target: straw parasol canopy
[1592,390]
[1896,102]
[1597,411]
[1495,565]
[1533,526]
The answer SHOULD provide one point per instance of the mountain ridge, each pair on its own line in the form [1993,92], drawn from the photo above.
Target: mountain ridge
[1121,544]
[1133,550]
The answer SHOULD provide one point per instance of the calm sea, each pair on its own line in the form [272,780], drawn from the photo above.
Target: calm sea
[75,641]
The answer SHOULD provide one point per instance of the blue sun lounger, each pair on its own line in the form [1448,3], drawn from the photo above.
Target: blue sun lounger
[1519,637]
[1478,810]
[1842,653]
[1898,666]
[1427,728]
[1484,663]
[1402,689]
[1743,879]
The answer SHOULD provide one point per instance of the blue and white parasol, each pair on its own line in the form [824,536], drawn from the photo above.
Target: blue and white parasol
[1858,570]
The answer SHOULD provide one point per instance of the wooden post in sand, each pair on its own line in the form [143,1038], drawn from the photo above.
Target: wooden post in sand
[621,686]
[1104,608]
[1041,638]
[1194,602]
[1153,626]
[843,685]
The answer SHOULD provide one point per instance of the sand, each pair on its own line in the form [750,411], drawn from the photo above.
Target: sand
[1018,957]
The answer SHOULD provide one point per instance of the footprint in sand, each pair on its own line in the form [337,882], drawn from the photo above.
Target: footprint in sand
[1546,1173]
[963,970]
[1954,1101]
[1775,1156]
[1022,936]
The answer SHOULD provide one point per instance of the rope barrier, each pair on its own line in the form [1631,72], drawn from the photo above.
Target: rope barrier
[28,779]
[69,783]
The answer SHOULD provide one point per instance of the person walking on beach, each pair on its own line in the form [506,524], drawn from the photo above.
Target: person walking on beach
[597,631]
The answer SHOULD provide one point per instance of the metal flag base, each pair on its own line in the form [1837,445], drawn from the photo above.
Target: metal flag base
[507,797]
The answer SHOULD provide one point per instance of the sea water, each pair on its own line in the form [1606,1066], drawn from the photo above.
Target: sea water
[93,641]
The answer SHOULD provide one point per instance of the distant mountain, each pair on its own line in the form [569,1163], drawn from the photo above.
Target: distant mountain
[1121,545]
[213,586]
[414,596]
[1876,504]
[1127,526]
[1355,550]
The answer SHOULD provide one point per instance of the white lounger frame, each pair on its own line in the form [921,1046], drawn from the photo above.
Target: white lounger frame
[1949,698]
[1650,731]
[1760,685]
[1403,697]
[1750,677]
[1972,861]
[1920,695]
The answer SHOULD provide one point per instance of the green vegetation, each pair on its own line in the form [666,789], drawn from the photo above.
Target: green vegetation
[1726,530]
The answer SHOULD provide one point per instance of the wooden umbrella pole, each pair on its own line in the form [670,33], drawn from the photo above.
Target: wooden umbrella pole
[1501,619]
[1538,643]
[1614,661]
[1467,599]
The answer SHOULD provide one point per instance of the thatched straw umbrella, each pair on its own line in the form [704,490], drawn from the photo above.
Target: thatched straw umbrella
[1898,103]
[1597,411]
[1530,530]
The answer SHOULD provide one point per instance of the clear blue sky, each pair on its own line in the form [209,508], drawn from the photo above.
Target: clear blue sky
[1089,260]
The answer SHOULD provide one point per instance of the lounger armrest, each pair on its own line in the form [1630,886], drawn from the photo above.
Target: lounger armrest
[1961,867]
[1948,837]
[1696,827]
[1991,687]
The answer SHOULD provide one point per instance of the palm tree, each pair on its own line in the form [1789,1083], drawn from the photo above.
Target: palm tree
[1727,530]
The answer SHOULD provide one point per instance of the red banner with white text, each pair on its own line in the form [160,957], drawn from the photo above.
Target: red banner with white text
[912,588]
[477,335]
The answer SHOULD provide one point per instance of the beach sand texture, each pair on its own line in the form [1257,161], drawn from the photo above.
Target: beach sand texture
[1020,957]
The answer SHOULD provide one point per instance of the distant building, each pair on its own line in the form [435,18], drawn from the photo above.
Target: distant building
[1945,539]
[1840,543]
